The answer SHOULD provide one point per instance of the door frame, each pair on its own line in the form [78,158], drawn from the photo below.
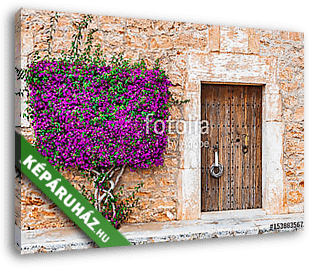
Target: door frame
[273,185]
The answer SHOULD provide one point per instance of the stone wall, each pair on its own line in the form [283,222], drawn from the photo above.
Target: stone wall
[187,52]
[291,81]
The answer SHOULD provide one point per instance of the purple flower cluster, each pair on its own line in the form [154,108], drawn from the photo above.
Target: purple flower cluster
[95,115]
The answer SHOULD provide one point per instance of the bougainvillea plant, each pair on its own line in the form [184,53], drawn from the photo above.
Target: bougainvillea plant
[93,114]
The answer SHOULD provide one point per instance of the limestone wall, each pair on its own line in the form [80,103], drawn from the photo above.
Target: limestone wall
[190,53]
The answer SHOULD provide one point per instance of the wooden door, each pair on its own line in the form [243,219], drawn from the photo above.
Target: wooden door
[233,114]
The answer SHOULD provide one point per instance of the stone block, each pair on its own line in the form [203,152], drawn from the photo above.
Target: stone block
[295,197]
[64,22]
[290,101]
[141,26]
[182,40]
[286,74]
[193,85]
[298,61]
[136,42]
[179,62]
[238,68]
[297,208]
[164,27]
[190,150]
[176,79]
[189,194]
[17,43]
[272,107]
[272,171]
[289,87]
[227,38]
[171,162]
[176,113]
[113,39]
[214,38]
[296,36]
[253,42]
[192,109]
[27,43]
[199,27]
[199,41]
[17,111]
[161,42]
[110,20]
[240,42]
[299,114]
[197,60]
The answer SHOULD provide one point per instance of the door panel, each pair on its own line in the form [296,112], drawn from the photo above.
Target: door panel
[233,115]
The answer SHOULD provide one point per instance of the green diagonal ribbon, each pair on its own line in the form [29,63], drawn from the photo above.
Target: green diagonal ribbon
[65,196]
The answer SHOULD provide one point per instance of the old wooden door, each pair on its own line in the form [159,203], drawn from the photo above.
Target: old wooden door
[233,114]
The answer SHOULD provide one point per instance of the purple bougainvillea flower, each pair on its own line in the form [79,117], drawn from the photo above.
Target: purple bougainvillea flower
[97,115]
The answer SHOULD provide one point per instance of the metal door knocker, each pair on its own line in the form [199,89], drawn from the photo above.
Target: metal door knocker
[216,166]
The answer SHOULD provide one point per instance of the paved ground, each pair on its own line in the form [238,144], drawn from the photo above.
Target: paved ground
[211,225]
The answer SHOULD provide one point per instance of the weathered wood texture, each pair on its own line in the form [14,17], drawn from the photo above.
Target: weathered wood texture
[233,114]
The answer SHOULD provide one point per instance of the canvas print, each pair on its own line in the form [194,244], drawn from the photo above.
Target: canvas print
[172,131]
